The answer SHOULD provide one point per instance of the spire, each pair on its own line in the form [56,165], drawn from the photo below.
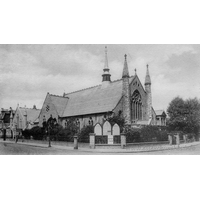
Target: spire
[106,58]
[147,78]
[106,75]
[125,70]
[135,71]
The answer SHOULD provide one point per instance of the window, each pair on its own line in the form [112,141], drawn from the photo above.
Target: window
[136,106]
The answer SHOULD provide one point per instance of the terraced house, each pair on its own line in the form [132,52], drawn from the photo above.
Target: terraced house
[124,97]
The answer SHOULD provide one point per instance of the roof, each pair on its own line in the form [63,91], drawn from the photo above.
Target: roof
[98,99]
[32,114]
[59,102]
[159,112]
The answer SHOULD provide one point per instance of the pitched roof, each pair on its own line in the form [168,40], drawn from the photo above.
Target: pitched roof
[32,114]
[98,99]
[59,102]
[159,112]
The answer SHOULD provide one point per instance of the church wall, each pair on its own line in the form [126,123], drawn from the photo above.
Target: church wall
[84,119]
[119,108]
[44,112]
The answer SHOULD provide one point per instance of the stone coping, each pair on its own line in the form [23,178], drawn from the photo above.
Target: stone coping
[146,143]
[107,145]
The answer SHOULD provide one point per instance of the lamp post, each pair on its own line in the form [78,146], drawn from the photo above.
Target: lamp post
[48,130]
[77,133]
[50,124]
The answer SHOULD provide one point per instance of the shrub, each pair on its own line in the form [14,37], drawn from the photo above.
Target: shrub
[36,132]
[84,134]
[146,134]
[118,120]
[132,135]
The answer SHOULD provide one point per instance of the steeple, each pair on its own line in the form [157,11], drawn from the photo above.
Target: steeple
[147,78]
[126,94]
[125,70]
[149,96]
[106,74]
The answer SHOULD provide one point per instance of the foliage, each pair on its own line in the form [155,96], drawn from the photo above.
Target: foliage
[132,134]
[184,115]
[58,133]
[84,136]
[118,120]
[146,134]
[36,132]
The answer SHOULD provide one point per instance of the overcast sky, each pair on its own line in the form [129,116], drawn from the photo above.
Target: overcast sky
[28,72]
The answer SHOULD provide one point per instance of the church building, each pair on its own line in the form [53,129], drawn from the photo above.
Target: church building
[124,97]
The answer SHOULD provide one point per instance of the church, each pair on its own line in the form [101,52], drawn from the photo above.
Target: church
[126,97]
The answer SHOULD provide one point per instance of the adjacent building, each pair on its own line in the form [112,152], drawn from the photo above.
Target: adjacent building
[24,118]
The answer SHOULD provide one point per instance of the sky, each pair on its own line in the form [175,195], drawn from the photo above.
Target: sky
[28,72]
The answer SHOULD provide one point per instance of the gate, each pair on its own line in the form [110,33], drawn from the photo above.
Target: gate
[107,134]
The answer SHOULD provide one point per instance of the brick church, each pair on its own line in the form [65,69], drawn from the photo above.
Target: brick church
[125,97]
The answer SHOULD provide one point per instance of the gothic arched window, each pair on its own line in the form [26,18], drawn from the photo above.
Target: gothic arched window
[136,106]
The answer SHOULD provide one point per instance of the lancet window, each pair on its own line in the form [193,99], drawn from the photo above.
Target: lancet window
[136,106]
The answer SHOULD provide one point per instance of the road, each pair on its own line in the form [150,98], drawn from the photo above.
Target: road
[22,149]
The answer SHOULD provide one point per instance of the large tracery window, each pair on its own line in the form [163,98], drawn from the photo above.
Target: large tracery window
[136,106]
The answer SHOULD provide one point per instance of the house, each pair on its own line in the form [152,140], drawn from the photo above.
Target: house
[24,118]
[161,117]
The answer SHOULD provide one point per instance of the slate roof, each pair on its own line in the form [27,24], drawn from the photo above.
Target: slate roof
[98,99]
[32,114]
[59,102]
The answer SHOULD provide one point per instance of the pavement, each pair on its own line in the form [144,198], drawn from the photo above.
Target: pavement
[138,149]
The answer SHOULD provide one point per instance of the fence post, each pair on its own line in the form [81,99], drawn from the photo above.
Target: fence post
[75,142]
[92,141]
[185,138]
[123,140]
[170,139]
[178,139]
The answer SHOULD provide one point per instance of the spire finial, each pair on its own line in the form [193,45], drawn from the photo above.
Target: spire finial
[106,59]
[135,71]
[125,56]
[106,50]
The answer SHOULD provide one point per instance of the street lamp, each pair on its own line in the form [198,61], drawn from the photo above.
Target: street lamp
[77,133]
[50,124]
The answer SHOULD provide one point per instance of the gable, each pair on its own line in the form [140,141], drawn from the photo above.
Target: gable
[135,84]
[160,113]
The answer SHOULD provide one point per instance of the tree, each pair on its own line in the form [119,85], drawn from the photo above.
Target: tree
[184,115]
[192,116]
[118,120]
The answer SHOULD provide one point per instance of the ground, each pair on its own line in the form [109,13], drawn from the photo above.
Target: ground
[23,149]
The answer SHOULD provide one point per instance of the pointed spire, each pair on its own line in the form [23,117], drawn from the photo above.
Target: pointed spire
[106,58]
[106,74]
[147,78]
[135,71]
[125,70]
